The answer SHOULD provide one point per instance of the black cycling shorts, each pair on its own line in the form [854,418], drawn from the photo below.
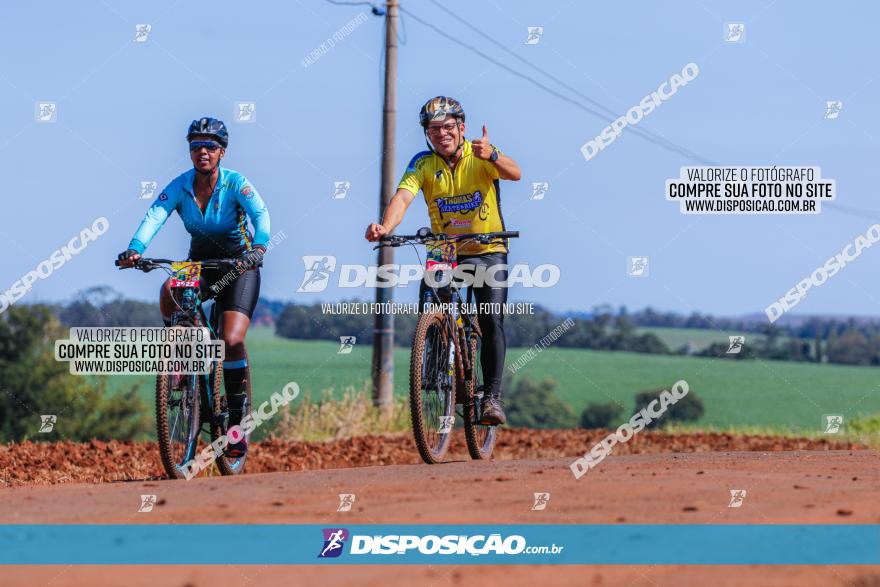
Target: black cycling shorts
[238,295]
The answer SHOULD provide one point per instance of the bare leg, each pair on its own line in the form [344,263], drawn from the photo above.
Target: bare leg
[166,304]
[234,329]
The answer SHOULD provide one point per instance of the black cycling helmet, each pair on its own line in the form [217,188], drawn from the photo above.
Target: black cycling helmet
[209,126]
[439,108]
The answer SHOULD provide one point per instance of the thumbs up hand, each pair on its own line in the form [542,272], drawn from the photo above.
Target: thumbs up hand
[481,146]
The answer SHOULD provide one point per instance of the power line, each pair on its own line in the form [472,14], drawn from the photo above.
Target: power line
[374,8]
[661,143]
[641,130]
[338,3]
[403,30]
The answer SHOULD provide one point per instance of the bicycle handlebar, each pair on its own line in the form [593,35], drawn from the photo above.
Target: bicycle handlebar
[146,265]
[428,236]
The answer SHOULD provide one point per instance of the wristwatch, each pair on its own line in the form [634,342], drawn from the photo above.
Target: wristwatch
[494,156]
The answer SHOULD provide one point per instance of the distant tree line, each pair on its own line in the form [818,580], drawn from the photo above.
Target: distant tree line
[603,332]
[815,339]
[806,328]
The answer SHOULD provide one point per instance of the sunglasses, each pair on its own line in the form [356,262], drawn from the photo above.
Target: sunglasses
[449,128]
[211,146]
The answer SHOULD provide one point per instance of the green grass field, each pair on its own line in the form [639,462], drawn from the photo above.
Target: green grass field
[737,394]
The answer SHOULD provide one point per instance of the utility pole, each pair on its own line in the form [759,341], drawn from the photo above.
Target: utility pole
[383,328]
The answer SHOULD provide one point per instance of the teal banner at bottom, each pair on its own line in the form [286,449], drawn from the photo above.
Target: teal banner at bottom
[563,544]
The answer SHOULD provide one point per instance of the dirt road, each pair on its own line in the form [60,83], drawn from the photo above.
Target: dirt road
[782,487]
[48,463]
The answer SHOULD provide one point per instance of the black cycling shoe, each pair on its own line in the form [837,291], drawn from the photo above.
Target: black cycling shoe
[237,407]
[236,450]
[492,412]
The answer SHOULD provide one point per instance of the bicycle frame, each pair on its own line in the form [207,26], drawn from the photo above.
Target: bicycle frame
[191,312]
[190,308]
[460,327]
[462,324]
[185,403]
[445,350]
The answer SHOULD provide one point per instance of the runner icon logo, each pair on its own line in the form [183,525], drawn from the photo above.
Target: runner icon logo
[541,500]
[446,424]
[148,188]
[147,503]
[737,496]
[734,32]
[539,190]
[833,423]
[318,269]
[346,344]
[346,500]
[47,112]
[47,423]
[245,112]
[334,540]
[637,266]
[832,109]
[736,344]
[534,35]
[340,189]
[142,32]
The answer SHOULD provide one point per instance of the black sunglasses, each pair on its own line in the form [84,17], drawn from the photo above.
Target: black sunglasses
[211,146]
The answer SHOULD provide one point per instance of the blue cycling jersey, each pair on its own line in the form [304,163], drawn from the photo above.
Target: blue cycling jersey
[221,230]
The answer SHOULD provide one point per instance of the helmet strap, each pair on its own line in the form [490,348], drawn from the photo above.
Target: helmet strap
[459,149]
[208,174]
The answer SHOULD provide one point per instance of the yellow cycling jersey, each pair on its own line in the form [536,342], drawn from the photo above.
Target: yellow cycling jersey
[466,200]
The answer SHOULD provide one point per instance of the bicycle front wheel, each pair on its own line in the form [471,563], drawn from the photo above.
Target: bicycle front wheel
[177,421]
[432,386]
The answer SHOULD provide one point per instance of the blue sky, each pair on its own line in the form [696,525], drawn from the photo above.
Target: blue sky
[123,108]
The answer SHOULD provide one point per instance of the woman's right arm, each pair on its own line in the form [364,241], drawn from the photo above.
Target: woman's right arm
[153,220]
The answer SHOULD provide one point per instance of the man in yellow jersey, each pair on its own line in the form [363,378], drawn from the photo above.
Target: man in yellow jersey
[459,179]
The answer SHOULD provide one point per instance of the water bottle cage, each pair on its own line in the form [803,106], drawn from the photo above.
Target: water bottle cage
[221,420]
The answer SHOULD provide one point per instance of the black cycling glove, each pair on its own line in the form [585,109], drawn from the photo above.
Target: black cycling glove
[252,259]
[127,254]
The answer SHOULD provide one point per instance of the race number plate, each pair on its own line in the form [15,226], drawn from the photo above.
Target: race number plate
[441,256]
[186,274]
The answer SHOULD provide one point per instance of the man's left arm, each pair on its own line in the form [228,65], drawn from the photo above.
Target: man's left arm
[507,168]
[504,166]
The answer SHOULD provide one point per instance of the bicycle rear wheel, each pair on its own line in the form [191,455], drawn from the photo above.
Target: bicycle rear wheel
[220,425]
[480,438]
[177,421]
[432,387]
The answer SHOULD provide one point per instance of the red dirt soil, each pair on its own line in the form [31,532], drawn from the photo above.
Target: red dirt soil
[644,482]
[782,487]
[32,463]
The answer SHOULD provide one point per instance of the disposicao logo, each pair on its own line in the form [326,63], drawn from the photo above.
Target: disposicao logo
[334,540]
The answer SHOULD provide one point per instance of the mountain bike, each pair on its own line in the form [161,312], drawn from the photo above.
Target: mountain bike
[185,403]
[445,360]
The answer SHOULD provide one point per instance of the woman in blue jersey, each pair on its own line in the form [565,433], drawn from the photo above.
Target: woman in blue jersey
[214,204]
